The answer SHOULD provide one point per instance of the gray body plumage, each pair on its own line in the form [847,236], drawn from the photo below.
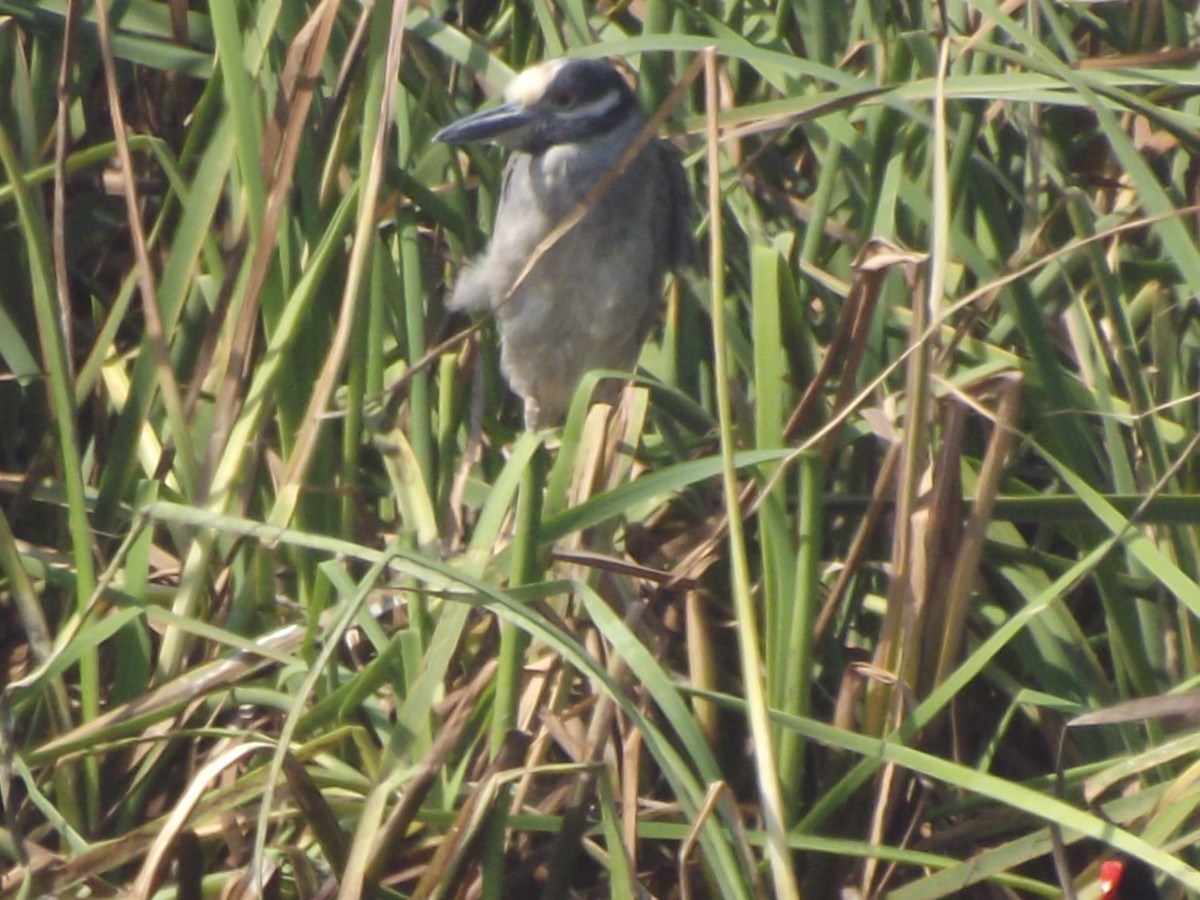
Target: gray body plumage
[592,298]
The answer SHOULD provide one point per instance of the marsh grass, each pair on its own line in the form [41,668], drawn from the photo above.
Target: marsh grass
[904,487]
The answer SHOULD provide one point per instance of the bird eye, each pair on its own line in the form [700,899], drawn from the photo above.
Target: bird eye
[560,99]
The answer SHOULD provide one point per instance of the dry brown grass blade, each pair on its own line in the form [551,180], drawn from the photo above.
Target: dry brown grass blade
[33,620]
[34,864]
[707,551]
[870,267]
[280,151]
[352,294]
[536,701]
[351,61]
[718,794]
[982,294]
[189,866]
[1173,712]
[300,72]
[1185,704]
[601,730]
[62,130]
[148,877]
[843,356]
[179,22]
[689,843]
[591,560]
[470,824]
[629,792]
[147,286]
[53,873]
[316,813]
[174,694]
[913,464]
[416,789]
[849,339]
[938,527]
[966,563]
[1175,57]
[751,125]
[702,657]
[851,565]
[899,638]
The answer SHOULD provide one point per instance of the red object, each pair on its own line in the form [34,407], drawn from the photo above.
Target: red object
[1111,871]
[1127,878]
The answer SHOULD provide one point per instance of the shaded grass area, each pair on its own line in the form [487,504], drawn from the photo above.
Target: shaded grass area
[904,485]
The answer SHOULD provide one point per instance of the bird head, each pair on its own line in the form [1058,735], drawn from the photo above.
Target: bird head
[563,101]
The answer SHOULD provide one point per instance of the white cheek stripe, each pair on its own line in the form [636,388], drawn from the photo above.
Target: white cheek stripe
[598,108]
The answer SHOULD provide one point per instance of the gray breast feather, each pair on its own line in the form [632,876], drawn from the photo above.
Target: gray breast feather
[592,298]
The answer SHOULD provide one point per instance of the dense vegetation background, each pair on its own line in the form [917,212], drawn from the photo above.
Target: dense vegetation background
[906,488]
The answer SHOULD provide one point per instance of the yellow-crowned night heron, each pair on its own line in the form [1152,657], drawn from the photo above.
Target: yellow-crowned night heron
[590,301]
